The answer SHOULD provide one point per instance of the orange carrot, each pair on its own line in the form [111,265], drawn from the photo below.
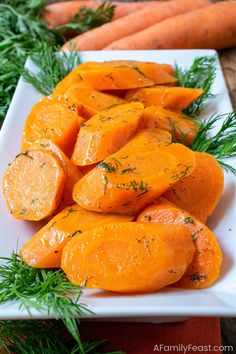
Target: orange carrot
[106,132]
[128,257]
[73,174]
[102,36]
[134,176]
[54,117]
[182,127]
[200,192]
[210,27]
[205,267]
[90,102]
[173,98]
[44,249]
[63,12]
[33,185]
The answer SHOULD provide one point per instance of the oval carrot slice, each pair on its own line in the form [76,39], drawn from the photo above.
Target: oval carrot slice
[54,117]
[105,77]
[145,67]
[44,249]
[33,185]
[134,176]
[200,192]
[128,257]
[73,174]
[90,102]
[182,127]
[106,132]
[205,267]
[174,98]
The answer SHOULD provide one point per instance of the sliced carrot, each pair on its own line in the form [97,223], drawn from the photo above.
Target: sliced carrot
[44,249]
[205,267]
[174,98]
[106,132]
[33,185]
[90,102]
[73,174]
[113,78]
[104,77]
[128,257]
[148,68]
[134,176]
[54,117]
[200,192]
[182,127]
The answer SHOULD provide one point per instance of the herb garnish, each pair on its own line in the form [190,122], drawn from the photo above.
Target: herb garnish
[196,277]
[41,337]
[201,74]
[44,290]
[106,166]
[221,145]
[188,220]
[128,170]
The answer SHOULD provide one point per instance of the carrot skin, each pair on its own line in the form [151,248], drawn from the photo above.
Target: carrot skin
[211,27]
[102,36]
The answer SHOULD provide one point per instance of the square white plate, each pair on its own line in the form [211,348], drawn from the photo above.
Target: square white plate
[218,300]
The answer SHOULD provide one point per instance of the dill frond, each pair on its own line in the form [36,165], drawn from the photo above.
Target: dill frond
[52,67]
[201,74]
[222,145]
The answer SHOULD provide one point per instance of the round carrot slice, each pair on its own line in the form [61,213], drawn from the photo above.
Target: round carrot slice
[128,257]
[33,185]
[54,117]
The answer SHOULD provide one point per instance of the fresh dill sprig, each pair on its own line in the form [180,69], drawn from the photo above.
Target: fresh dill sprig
[87,19]
[47,291]
[201,74]
[41,337]
[222,145]
[52,67]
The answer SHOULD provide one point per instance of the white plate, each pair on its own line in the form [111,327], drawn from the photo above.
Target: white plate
[218,300]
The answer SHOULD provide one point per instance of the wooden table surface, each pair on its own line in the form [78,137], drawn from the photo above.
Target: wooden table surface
[228,62]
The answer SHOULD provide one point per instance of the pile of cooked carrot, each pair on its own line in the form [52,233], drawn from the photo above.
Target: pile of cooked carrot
[181,24]
[105,161]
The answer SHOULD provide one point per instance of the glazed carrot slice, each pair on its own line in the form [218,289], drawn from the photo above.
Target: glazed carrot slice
[200,192]
[33,185]
[134,176]
[140,64]
[173,98]
[106,132]
[90,102]
[44,249]
[128,257]
[54,117]
[205,267]
[182,127]
[105,77]
[73,174]
[160,74]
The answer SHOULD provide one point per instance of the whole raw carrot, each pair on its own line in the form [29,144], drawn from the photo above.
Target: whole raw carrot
[61,13]
[212,27]
[101,36]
